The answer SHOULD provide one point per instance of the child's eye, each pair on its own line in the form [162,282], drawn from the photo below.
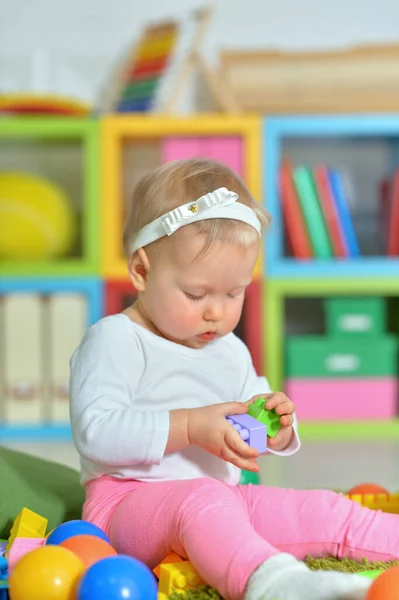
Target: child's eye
[192,297]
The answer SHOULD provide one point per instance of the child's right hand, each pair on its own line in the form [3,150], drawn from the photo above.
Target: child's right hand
[208,429]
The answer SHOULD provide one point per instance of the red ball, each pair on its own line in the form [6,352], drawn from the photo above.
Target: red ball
[385,586]
[89,548]
[368,488]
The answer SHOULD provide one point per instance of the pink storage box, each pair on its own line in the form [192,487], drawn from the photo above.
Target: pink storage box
[343,399]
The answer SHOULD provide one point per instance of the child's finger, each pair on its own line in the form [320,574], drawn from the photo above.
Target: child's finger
[286,420]
[233,408]
[240,462]
[285,408]
[238,445]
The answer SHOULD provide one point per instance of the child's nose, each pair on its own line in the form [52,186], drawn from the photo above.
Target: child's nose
[214,312]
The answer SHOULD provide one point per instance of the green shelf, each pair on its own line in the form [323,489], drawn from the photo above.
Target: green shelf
[349,431]
[57,129]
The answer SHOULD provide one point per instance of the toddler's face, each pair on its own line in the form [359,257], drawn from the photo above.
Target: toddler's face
[191,300]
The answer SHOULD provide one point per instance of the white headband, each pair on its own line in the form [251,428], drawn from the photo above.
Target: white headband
[220,204]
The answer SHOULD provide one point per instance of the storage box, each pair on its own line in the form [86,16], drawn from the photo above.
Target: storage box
[356,316]
[341,357]
[343,399]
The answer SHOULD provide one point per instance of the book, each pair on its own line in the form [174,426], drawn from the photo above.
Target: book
[343,212]
[295,226]
[393,231]
[329,210]
[315,223]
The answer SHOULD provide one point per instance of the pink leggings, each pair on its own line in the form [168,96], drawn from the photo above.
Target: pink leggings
[228,531]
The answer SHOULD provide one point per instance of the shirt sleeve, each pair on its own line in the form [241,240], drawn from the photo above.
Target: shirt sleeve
[252,385]
[107,427]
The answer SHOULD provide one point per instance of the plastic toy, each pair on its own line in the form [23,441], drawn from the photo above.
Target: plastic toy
[269,418]
[171,558]
[42,104]
[89,548]
[22,546]
[47,573]
[72,528]
[388,503]
[117,578]
[37,220]
[367,488]
[250,430]
[178,577]
[3,590]
[28,524]
[385,586]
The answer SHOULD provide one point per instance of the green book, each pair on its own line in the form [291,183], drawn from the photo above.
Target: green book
[312,212]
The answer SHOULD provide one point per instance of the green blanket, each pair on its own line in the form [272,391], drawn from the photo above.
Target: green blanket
[49,489]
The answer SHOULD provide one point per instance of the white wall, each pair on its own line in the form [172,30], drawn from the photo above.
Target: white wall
[68,46]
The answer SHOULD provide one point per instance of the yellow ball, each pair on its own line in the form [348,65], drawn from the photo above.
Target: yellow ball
[47,573]
[36,218]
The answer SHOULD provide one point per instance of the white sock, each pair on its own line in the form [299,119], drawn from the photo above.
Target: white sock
[282,577]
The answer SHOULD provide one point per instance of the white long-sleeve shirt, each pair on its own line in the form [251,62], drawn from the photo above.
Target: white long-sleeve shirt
[124,382]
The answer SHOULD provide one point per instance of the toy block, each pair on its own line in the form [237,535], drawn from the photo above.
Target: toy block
[269,418]
[27,525]
[251,431]
[170,559]
[20,547]
[3,568]
[388,503]
[3,590]
[177,578]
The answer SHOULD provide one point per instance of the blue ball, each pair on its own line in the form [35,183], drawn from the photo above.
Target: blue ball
[72,528]
[118,578]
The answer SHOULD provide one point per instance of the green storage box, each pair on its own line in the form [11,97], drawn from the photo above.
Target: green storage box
[356,316]
[318,356]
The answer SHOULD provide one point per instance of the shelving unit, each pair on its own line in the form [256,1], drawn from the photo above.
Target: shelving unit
[290,278]
[275,132]
[110,155]
[50,135]
[146,142]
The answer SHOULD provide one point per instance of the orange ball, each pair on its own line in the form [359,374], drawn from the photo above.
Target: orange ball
[89,548]
[368,488]
[385,586]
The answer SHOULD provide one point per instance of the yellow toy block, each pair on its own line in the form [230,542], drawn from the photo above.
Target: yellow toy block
[388,503]
[171,558]
[177,577]
[28,524]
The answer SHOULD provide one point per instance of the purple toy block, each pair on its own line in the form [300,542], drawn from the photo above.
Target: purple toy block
[251,431]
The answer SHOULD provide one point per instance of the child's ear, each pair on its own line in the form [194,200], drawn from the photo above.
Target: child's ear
[139,267]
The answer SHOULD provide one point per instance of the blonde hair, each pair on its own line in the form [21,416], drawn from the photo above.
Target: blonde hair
[181,181]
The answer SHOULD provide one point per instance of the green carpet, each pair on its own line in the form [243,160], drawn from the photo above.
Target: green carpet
[324,564]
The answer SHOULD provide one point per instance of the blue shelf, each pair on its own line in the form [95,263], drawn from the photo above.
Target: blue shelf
[91,287]
[274,130]
[340,269]
[35,433]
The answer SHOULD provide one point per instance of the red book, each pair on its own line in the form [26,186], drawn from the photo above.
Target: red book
[328,208]
[393,234]
[297,234]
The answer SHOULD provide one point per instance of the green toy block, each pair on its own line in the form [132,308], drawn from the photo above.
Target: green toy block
[269,418]
[371,574]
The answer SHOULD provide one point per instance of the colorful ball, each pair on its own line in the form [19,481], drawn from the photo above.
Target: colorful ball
[386,586]
[368,488]
[36,218]
[117,578]
[47,573]
[72,528]
[89,548]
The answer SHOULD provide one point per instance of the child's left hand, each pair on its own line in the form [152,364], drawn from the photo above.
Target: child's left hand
[284,407]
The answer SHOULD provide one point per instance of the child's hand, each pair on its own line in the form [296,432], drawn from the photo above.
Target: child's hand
[284,407]
[208,429]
